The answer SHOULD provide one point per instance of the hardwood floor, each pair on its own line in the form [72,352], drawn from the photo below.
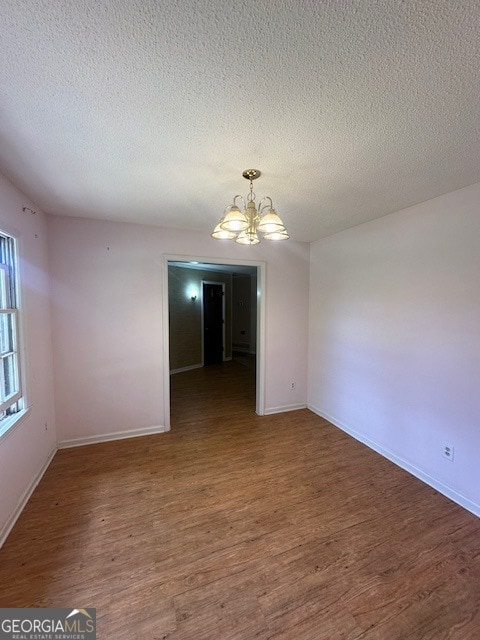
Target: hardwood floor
[235,526]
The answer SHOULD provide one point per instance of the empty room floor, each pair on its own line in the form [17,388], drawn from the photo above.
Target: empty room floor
[236,526]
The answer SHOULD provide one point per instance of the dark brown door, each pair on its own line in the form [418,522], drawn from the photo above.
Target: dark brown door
[212,323]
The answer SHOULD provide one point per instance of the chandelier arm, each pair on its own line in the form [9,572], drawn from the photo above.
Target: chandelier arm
[260,208]
[242,199]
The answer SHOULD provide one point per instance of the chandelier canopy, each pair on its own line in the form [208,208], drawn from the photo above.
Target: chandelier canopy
[244,225]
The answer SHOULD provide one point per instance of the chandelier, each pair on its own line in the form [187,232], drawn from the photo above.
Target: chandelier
[244,226]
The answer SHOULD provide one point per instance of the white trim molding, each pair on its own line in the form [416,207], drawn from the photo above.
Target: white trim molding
[189,368]
[261,314]
[107,437]
[284,408]
[444,489]
[25,497]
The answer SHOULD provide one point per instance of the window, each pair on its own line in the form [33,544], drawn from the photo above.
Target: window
[11,401]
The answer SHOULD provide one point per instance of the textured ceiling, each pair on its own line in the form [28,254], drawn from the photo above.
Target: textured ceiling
[149,110]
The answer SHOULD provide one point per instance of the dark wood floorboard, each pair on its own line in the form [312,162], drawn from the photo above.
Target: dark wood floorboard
[239,527]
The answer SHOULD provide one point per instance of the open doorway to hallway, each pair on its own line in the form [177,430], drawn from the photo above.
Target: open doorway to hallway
[215,349]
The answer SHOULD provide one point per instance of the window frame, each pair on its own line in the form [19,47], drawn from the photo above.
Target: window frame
[12,405]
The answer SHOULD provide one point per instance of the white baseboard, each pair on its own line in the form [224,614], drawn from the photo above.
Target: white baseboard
[118,435]
[284,408]
[189,368]
[25,498]
[444,489]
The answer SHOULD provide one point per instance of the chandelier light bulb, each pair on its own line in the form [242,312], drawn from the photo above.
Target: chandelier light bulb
[235,220]
[270,223]
[222,234]
[247,237]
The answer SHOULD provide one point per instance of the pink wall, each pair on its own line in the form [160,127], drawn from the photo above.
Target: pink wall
[394,342]
[26,448]
[108,328]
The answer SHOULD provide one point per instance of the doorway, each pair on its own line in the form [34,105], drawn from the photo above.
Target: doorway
[213,321]
[192,295]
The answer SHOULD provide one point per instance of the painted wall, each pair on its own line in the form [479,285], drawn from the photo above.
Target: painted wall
[108,329]
[394,341]
[186,316]
[25,449]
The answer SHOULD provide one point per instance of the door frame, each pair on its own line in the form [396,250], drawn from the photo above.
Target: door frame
[260,360]
[222,284]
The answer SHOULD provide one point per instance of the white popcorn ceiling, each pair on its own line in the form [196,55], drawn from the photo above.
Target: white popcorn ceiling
[149,110]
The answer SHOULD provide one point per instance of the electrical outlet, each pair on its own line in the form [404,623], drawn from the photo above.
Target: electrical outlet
[292,385]
[448,452]
[46,426]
